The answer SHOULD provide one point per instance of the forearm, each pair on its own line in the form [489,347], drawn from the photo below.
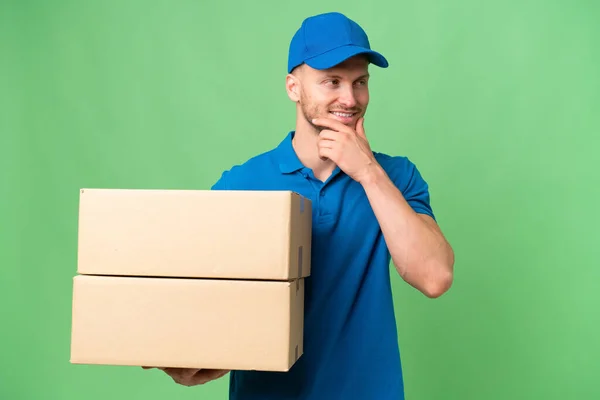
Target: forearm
[419,251]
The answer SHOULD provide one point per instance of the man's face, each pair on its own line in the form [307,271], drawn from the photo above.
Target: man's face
[340,93]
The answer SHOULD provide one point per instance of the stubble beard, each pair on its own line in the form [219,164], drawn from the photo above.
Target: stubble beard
[312,112]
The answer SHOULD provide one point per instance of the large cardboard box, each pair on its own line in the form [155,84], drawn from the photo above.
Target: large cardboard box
[195,233]
[187,278]
[190,323]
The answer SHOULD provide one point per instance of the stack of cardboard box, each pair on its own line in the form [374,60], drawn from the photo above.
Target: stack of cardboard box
[191,278]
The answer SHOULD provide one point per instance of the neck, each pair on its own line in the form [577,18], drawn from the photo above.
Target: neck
[305,145]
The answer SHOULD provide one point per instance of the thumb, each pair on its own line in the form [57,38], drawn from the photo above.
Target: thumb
[360,128]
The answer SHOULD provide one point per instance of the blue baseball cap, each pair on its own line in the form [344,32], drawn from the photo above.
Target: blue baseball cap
[325,40]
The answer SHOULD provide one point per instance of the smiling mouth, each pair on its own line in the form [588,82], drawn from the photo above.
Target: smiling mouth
[343,114]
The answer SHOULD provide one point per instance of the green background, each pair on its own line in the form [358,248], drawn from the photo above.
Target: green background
[498,104]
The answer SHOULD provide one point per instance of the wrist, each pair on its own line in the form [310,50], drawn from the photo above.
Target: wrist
[372,174]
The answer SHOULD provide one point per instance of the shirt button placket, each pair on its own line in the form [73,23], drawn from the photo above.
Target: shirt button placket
[322,203]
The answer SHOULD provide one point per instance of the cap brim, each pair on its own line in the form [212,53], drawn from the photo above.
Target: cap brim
[338,55]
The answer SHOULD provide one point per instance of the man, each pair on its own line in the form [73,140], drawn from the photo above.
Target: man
[367,207]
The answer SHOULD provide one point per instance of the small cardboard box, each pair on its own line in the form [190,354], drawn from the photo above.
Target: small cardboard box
[189,323]
[194,233]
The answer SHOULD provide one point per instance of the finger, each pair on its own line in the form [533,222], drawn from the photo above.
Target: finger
[208,375]
[360,128]
[327,134]
[325,148]
[331,124]
[180,373]
[325,153]
[181,376]
[326,143]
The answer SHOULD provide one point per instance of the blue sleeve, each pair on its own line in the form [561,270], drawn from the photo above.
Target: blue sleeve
[411,184]
[221,184]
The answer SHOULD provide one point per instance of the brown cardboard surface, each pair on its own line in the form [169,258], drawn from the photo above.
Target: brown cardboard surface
[194,233]
[190,323]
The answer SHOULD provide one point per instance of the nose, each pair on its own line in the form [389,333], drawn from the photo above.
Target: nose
[347,97]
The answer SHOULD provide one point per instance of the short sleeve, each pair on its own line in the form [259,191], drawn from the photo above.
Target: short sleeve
[221,184]
[413,187]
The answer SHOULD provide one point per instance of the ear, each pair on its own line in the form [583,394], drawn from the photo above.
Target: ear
[292,86]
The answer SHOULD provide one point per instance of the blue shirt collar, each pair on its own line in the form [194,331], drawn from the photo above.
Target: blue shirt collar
[289,162]
[286,156]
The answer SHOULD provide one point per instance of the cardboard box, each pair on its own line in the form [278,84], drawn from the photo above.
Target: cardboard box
[192,279]
[195,233]
[193,323]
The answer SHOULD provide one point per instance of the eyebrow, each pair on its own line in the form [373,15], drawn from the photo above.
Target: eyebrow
[367,75]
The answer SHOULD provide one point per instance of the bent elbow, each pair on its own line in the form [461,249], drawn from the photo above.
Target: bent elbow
[439,285]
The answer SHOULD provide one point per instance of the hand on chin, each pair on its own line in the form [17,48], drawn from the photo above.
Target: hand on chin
[346,146]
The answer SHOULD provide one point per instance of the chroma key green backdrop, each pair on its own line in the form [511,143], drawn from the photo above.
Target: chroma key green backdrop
[498,104]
